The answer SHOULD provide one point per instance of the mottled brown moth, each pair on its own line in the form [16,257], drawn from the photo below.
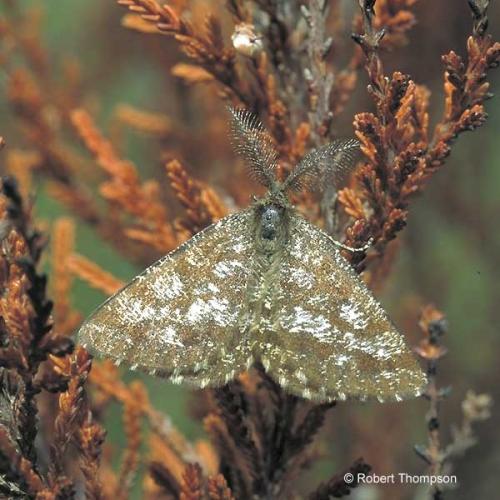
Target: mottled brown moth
[261,285]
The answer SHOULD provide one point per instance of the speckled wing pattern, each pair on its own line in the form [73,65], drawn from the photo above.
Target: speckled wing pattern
[183,317]
[332,340]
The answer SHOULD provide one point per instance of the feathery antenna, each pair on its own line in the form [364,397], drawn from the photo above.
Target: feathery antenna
[323,165]
[254,144]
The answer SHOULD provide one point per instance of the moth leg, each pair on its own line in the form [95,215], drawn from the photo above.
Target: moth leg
[364,248]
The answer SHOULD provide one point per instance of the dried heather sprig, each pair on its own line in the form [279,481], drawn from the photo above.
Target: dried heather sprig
[475,408]
[202,205]
[218,488]
[147,122]
[71,412]
[132,421]
[92,274]
[192,484]
[400,156]
[276,430]
[34,359]
[207,49]
[24,308]
[124,189]
[262,434]
[63,234]
[319,79]
[89,440]
[337,486]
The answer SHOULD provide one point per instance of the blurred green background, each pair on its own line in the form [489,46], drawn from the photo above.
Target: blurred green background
[450,252]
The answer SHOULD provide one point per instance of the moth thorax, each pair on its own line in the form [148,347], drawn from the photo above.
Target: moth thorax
[270,222]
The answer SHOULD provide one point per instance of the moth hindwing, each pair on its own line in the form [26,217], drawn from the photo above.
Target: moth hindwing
[262,285]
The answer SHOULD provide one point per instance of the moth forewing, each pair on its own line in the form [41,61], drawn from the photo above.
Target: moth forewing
[183,317]
[332,340]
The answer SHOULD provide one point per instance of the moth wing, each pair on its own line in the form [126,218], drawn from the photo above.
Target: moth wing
[332,338]
[183,317]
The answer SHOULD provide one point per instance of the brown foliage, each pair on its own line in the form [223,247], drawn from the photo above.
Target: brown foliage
[260,437]
[202,205]
[400,154]
[475,407]
[35,360]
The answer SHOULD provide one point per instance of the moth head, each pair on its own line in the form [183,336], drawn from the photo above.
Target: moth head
[319,167]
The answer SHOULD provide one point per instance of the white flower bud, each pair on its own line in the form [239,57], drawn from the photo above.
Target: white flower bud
[246,41]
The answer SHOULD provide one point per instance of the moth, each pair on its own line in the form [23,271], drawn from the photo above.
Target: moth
[260,285]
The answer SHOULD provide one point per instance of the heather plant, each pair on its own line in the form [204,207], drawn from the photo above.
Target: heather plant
[294,66]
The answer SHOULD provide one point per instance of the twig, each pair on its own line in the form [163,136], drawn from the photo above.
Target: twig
[475,407]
